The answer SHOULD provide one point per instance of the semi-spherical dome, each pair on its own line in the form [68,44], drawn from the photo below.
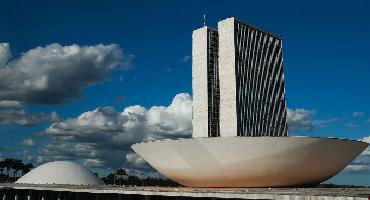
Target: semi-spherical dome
[60,172]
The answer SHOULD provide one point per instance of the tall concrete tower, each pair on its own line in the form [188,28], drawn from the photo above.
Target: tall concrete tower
[206,93]
[239,101]
[252,87]
[238,82]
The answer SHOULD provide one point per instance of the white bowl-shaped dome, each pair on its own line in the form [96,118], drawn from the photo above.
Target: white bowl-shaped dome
[250,161]
[60,172]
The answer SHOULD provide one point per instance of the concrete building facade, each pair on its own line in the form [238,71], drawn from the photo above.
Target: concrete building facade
[238,82]
[206,96]
[252,87]
[238,69]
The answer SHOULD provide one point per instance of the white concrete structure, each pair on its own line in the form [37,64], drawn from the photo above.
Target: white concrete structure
[247,67]
[228,117]
[199,78]
[238,82]
[205,83]
[250,161]
[252,86]
[60,172]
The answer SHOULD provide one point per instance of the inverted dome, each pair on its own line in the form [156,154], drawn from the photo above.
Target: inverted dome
[60,172]
[249,161]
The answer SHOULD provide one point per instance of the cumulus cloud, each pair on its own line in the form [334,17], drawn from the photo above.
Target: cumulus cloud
[21,117]
[28,143]
[102,137]
[54,73]
[135,160]
[301,119]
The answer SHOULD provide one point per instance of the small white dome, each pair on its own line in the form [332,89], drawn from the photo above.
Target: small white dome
[60,172]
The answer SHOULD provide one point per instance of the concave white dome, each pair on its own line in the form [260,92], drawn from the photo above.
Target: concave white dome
[60,172]
[250,161]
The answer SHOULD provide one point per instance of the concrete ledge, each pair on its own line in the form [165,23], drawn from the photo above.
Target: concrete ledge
[225,193]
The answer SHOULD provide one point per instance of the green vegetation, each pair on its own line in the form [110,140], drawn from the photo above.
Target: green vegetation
[132,180]
[9,169]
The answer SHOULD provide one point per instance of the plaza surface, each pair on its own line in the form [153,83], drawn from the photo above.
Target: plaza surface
[191,193]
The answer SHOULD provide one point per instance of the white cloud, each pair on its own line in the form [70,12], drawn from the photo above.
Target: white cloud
[102,137]
[357,114]
[54,73]
[10,104]
[93,163]
[366,139]
[362,163]
[5,54]
[28,143]
[135,160]
[174,120]
[21,117]
[300,119]
[323,123]
[357,168]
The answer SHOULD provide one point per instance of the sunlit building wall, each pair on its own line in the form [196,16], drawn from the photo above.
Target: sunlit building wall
[252,88]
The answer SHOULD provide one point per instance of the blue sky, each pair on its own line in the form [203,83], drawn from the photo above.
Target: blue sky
[326,57]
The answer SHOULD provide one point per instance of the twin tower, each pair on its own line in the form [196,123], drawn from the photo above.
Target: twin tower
[238,82]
